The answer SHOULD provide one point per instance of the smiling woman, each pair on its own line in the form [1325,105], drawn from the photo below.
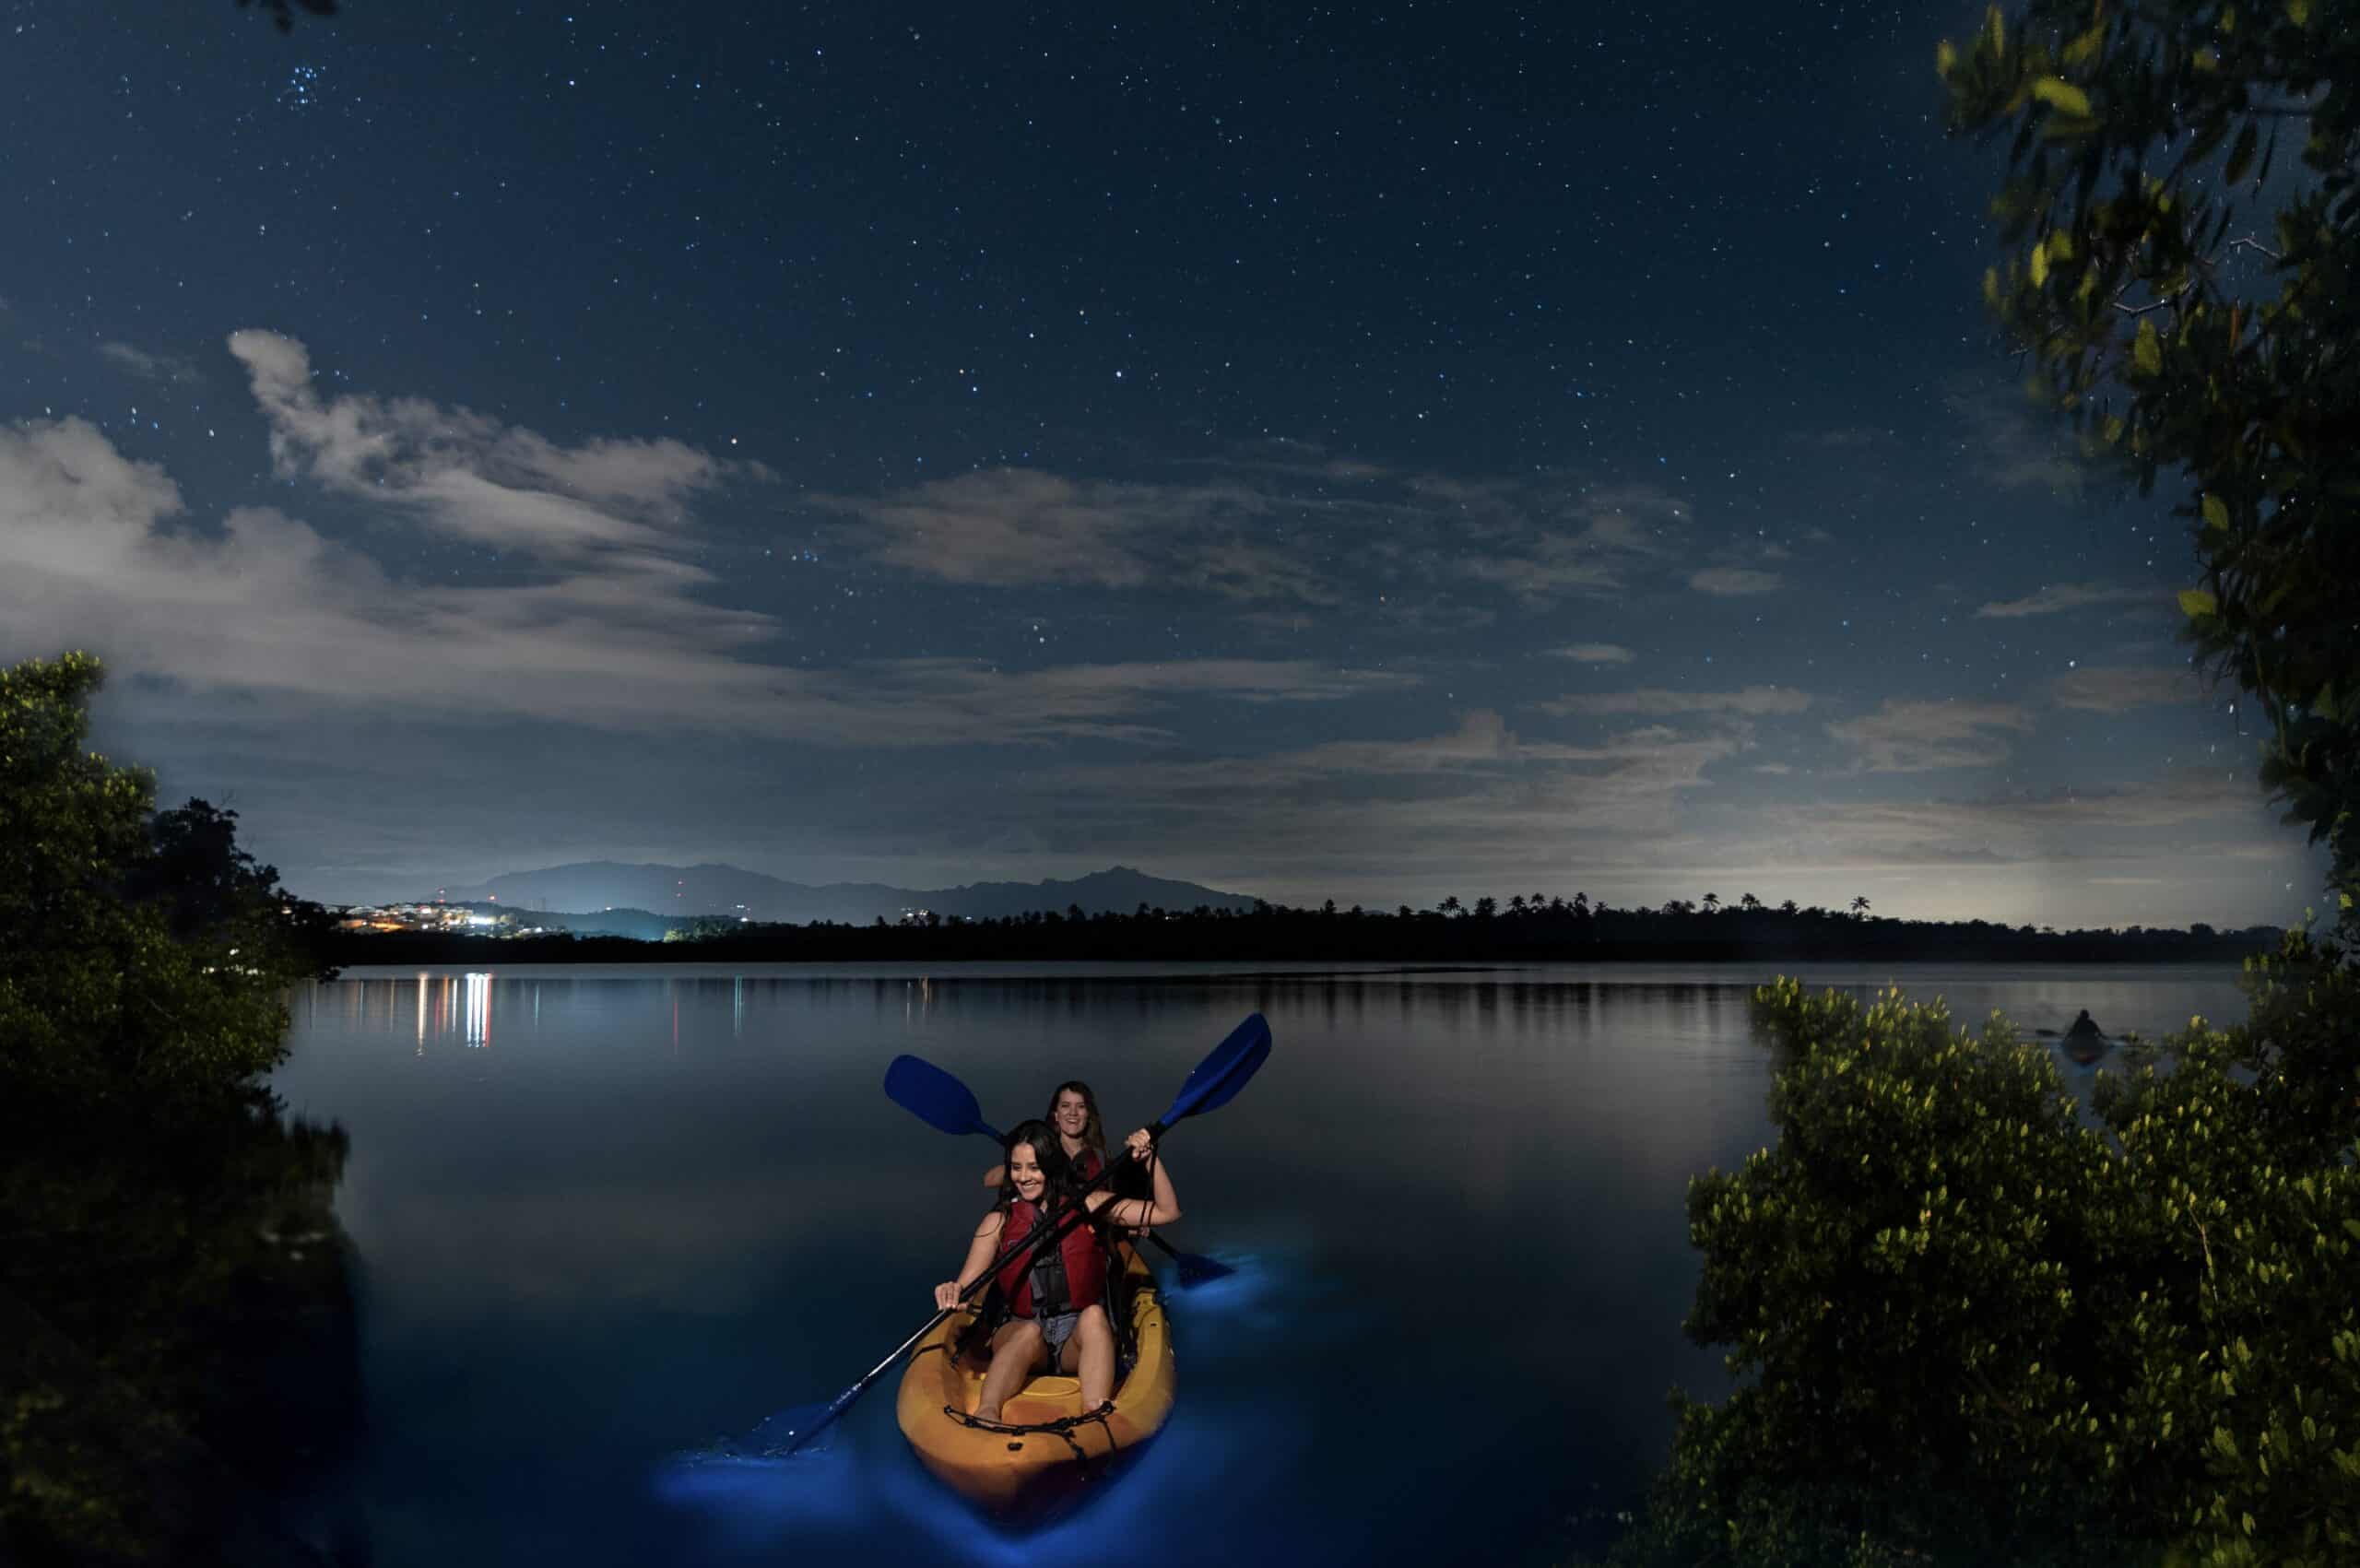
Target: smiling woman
[1054,1302]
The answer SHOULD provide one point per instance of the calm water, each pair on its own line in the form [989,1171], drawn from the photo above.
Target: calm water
[606,1216]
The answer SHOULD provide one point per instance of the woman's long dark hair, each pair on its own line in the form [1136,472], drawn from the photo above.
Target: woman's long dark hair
[1093,1132]
[1055,1169]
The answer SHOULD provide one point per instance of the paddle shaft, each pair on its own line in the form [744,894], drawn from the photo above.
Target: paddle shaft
[1061,1221]
[1159,1242]
[1175,1254]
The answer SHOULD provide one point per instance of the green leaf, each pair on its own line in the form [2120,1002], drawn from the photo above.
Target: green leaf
[2040,266]
[2299,12]
[2062,96]
[2147,349]
[2065,128]
[2241,154]
[2196,603]
[2216,512]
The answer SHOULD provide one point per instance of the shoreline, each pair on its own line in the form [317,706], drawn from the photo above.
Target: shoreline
[858,948]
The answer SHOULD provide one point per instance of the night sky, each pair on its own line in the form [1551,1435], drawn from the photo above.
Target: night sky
[1373,452]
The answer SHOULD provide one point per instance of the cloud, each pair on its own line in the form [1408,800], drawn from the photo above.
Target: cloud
[1470,802]
[1728,582]
[1294,529]
[266,604]
[1541,548]
[599,611]
[2028,828]
[147,366]
[1753,699]
[2121,688]
[941,702]
[2005,443]
[1913,737]
[618,502]
[1595,653]
[1008,527]
[2051,598]
[1848,436]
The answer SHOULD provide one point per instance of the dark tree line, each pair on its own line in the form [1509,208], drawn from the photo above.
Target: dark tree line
[1530,929]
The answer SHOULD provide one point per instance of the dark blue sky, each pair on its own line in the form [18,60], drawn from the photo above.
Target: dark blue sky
[1369,453]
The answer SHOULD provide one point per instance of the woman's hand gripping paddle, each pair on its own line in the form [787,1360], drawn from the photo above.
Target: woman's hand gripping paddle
[1213,1083]
[943,1103]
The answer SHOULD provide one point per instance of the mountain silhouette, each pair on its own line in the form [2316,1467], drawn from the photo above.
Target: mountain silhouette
[588,886]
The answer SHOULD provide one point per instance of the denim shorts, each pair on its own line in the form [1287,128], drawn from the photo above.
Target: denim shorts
[1055,1331]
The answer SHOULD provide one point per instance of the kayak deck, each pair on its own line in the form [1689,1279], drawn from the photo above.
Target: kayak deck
[1001,1470]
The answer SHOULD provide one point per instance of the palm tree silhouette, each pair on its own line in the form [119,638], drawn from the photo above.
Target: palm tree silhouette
[1748,903]
[1449,905]
[1712,904]
[1860,905]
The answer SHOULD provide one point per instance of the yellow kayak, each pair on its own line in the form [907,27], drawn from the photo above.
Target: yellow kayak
[999,1469]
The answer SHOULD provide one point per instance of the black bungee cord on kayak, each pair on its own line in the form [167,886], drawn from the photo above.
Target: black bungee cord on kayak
[1062,1427]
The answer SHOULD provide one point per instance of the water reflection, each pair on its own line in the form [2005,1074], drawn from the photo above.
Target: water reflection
[674,1201]
[179,1353]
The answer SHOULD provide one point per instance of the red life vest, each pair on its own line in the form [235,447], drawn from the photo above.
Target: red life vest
[1073,1273]
[1130,1180]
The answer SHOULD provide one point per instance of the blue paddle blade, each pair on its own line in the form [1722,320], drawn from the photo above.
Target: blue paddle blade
[934,1096]
[1217,1078]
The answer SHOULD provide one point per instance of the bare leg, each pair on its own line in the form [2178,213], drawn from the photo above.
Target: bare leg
[1091,1350]
[1015,1350]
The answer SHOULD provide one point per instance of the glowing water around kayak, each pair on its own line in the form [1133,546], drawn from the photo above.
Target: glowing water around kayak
[603,1219]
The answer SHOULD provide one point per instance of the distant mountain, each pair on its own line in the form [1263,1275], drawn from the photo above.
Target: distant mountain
[677,891]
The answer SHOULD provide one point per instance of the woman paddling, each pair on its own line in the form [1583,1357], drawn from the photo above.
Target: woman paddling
[1056,1296]
[1073,1111]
